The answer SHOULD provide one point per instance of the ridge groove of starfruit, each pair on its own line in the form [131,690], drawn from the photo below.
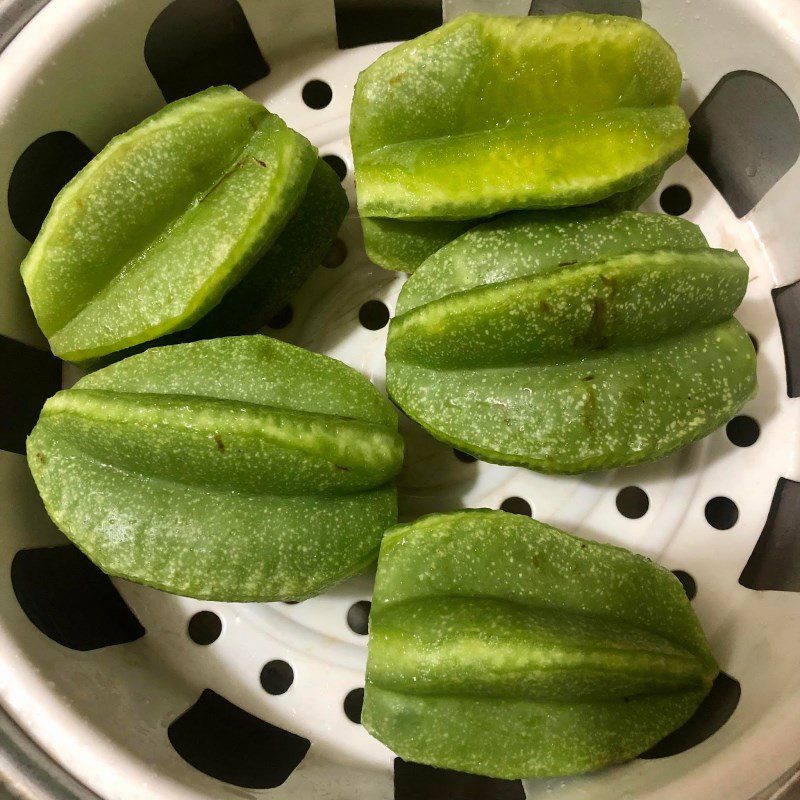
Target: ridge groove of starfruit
[169,216]
[504,647]
[492,114]
[238,469]
[572,341]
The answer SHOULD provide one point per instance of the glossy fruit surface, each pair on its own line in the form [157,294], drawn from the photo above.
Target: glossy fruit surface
[576,341]
[234,469]
[155,229]
[403,244]
[504,647]
[299,249]
[491,114]
[549,162]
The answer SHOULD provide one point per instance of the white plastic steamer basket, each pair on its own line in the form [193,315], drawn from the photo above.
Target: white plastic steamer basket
[105,714]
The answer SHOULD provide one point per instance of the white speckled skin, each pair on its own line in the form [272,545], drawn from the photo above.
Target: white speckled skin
[104,714]
[402,244]
[154,230]
[553,162]
[505,647]
[521,244]
[518,344]
[491,114]
[228,469]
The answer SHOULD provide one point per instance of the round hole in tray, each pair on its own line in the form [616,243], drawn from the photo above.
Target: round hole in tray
[204,627]
[353,704]
[358,617]
[517,505]
[687,581]
[336,255]
[743,431]
[721,513]
[317,94]
[282,319]
[632,502]
[373,315]
[276,677]
[676,200]
[337,164]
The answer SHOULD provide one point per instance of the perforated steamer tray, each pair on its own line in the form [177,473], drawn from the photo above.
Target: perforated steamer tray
[262,700]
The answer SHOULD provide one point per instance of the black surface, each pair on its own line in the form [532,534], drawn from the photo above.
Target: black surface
[360,22]
[711,715]
[420,782]
[787,308]
[28,376]
[194,44]
[745,136]
[41,171]
[70,600]
[774,563]
[626,8]
[224,741]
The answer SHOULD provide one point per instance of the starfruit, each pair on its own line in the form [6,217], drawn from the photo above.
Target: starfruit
[490,114]
[572,341]
[150,235]
[403,245]
[299,250]
[504,647]
[238,469]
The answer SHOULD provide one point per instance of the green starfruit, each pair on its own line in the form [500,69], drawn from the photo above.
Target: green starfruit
[402,244]
[491,114]
[504,647]
[150,235]
[234,469]
[572,341]
[299,249]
